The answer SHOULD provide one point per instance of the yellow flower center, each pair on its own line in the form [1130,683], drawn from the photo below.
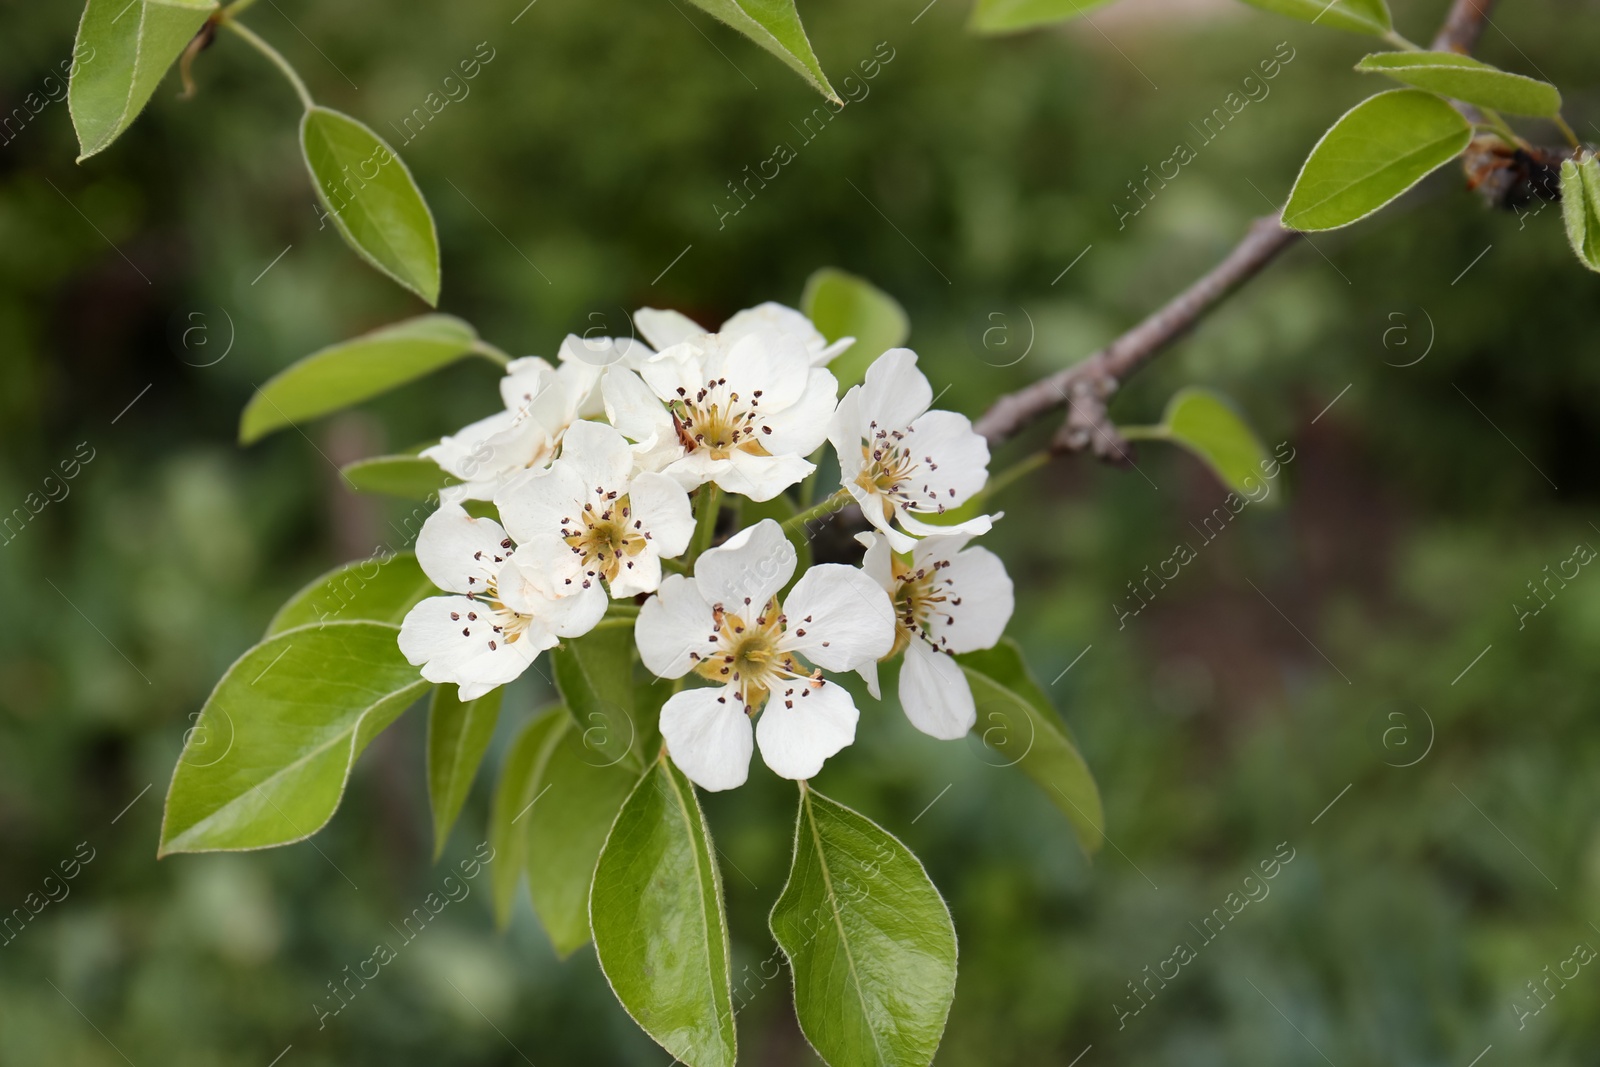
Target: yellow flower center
[749,657]
[717,421]
[920,596]
[605,538]
[509,625]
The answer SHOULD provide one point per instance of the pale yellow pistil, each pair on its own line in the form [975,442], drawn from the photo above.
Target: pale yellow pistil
[508,625]
[749,658]
[920,600]
[606,538]
[886,469]
[717,422]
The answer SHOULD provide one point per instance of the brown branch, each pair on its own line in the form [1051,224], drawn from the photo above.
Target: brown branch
[1084,387]
[1462,26]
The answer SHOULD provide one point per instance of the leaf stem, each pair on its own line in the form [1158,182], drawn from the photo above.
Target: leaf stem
[829,504]
[1400,42]
[1501,127]
[490,352]
[1024,466]
[1567,131]
[234,9]
[273,54]
[708,502]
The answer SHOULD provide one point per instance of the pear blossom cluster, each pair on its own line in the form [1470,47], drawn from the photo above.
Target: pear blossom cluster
[606,473]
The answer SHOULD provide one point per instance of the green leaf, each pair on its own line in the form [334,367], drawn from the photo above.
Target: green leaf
[1580,205]
[843,305]
[869,941]
[1207,425]
[1023,729]
[375,589]
[564,836]
[1466,79]
[458,736]
[659,927]
[1009,16]
[775,26]
[372,198]
[1376,151]
[515,794]
[355,370]
[123,50]
[594,674]
[1357,16]
[267,762]
[409,477]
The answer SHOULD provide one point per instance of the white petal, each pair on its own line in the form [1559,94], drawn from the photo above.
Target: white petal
[662,506]
[838,618]
[454,448]
[485,452]
[895,391]
[978,579]
[952,461]
[802,726]
[776,317]
[708,736]
[526,590]
[674,627]
[663,329]
[776,366]
[878,563]
[877,510]
[599,455]
[935,549]
[757,477]
[533,503]
[638,574]
[632,408]
[695,469]
[599,352]
[525,379]
[581,380]
[846,431]
[831,352]
[748,569]
[634,351]
[801,428]
[440,636]
[460,553]
[935,694]
[676,372]
[973,527]
[869,674]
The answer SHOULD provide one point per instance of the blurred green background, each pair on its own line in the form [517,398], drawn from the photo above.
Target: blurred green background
[1308,655]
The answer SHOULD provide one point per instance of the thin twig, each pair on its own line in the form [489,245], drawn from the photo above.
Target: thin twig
[1462,26]
[1085,387]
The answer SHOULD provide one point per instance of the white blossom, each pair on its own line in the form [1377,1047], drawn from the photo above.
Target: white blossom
[588,517]
[541,401]
[727,625]
[743,415]
[502,616]
[948,599]
[899,460]
[667,328]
